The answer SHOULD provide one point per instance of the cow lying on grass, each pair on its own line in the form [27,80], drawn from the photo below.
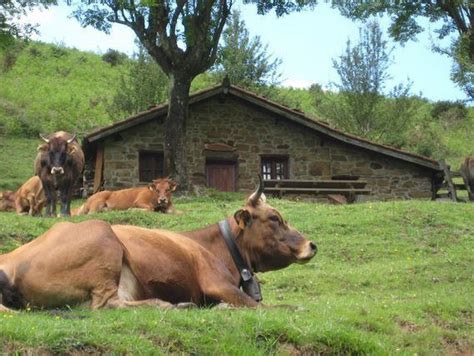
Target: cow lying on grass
[7,200]
[118,266]
[155,197]
[28,199]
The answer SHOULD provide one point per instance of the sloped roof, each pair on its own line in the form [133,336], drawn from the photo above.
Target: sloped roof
[278,109]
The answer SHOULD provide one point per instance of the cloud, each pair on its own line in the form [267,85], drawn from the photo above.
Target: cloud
[297,83]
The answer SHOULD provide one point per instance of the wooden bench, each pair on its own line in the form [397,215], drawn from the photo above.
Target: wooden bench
[345,187]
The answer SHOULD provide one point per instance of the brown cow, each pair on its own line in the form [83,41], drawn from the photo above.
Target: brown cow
[59,162]
[7,201]
[155,197]
[467,173]
[30,198]
[123,266]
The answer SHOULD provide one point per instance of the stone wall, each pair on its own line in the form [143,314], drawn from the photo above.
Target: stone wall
[255,132]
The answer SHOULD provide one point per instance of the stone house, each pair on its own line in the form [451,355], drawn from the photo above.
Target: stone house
[233,134]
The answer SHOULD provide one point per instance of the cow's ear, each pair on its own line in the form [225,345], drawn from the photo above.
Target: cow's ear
[242,218]
[42,147]
[173,185]
[151,187]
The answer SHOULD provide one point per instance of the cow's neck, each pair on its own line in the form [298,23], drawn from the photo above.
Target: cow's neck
[211,239]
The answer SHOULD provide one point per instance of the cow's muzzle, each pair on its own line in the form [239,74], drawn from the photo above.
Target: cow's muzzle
[57,170]
[308,251]
[162,201]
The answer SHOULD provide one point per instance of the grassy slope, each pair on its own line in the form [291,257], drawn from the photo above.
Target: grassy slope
[50,87]
[388,277]
[16,161]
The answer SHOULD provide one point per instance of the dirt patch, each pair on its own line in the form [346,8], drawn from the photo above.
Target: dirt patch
[407,326]
[297,350]
[17,349]
[457,347]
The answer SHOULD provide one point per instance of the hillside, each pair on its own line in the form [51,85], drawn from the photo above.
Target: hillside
[388,277]
[47,87]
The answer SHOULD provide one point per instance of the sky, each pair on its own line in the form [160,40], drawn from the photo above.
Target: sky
[306,42]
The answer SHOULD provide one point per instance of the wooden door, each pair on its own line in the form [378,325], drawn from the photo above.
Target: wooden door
[221,176]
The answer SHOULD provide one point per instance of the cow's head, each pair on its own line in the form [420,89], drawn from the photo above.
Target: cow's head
[268,240]
[163,188]
[57,153]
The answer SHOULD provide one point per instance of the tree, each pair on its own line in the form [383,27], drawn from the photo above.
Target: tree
[454,16]
[10,13]
[145,84]
[182,37]
[243,59]
[361,107]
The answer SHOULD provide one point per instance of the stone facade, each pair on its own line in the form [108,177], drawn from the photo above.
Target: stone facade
[254,133]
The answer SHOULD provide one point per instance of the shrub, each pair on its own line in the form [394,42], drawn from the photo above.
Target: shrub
[114,57]
[449,110]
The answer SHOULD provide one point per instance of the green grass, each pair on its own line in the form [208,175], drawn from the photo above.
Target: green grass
[17,157]
[389,277]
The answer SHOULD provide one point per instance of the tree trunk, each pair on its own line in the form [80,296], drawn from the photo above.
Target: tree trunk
[175,130]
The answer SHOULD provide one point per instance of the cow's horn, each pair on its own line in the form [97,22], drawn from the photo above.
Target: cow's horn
[72,138]
[44,138]
[258,192]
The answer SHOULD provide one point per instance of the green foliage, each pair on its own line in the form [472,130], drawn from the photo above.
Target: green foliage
[361,107]
[243,59]
[388,277]
[114,57]
[449,111]
[451,18]
[50,87]
[144,85]
[11,11]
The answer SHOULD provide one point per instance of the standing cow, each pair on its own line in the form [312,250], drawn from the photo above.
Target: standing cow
[467,173]
[59,163]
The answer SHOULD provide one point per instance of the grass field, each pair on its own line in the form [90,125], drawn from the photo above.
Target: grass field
[389,278]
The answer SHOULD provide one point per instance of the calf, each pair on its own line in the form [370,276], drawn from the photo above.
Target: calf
[7,201]
[59,162]
[125,266]
[30,198]
[467,173]
[155,197]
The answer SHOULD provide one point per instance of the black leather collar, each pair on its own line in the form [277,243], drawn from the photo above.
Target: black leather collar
[248,282]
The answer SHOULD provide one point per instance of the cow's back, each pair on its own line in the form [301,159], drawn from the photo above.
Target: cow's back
[126,198]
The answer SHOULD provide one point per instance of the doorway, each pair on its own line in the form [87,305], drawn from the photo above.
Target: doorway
[221,175]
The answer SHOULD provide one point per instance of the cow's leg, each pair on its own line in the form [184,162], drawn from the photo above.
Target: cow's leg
[18,206]
[50,194]
[32,204]
[65,195]
[228,293]
[144,206]
[117,303]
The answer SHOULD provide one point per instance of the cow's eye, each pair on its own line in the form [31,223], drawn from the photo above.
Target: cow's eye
[274,218]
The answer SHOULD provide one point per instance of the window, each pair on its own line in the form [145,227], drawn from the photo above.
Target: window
[275,167]
[150,165]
